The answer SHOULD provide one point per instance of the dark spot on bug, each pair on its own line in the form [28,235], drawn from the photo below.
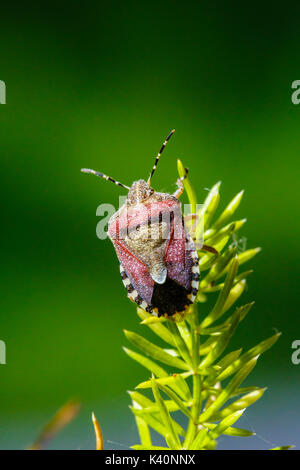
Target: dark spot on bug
[129,288]
[194,291]
[123,275]
[195,276]
[138,300]
[169,297]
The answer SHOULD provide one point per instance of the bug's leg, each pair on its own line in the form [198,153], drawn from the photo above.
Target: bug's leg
[193,217]
[208,248]
[189,217]
[180,186]
[190,221]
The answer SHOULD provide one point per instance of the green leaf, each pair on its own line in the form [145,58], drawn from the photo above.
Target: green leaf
[187,186]
[206,347]
[214,236]
[180,343]
[229,210]
[214,331]
[223,234]
[141,447]
[141,399]
[153,319]
[242,390]
[211,204]
[143,429]
[210,371]
[208,207]
[218,267]
[218,308]
[171,406]
[210,445]
[155,423]
[171,437]
[185,333]
[208,259]
[212,287]
[239,404]
[253,352]
[229,359]
[238,432]
[243,275]
[146,362]
[226,423]
[175,381]
[150,420]
[199,440]
[226,393]
[149,406]
[221,343]
[247,255]
[282,448]
[233,295]
[232,431]
[244,310]
[180,404]
[154,351]
[195,410]
[158,328]
[219,329]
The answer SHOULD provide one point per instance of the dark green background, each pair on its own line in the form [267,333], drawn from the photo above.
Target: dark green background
[98,84]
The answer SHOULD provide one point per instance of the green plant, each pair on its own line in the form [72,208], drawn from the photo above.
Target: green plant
[199,380]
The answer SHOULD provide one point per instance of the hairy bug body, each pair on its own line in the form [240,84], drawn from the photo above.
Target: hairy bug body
[158,260]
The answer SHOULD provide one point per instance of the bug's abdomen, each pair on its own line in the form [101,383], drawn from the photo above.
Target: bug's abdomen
[181,286]
[170,298]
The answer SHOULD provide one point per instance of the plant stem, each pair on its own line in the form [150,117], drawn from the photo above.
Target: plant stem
[197,381]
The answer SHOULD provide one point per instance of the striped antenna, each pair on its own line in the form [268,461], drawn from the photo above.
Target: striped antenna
[101,175]
[159,154]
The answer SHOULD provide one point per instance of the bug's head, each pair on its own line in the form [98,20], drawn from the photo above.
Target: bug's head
[139,192]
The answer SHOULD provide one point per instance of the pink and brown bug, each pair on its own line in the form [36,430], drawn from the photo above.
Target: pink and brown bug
[159,264]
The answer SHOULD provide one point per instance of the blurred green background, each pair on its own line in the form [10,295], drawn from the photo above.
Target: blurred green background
[100,85]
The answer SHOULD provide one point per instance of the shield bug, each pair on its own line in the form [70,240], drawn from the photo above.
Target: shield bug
[159,264]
